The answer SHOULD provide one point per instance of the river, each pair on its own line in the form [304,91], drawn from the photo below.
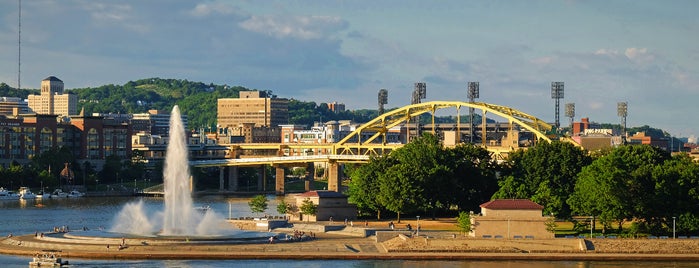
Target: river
[27,217]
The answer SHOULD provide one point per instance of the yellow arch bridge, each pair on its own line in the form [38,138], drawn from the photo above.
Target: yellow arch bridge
[370,139]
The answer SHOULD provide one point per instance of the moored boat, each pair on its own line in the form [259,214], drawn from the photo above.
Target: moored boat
[8,195]
[47,258]
[58,193]
[75,193]
[26,194]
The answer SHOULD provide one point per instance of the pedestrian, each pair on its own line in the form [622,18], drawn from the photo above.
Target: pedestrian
[271,239]
[331,219]
[345,221]
[366,223]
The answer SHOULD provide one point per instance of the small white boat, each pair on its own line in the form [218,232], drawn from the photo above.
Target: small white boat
[26,194]
[47,259]
[202,209]
[8,195]
[75,193]
[58,193]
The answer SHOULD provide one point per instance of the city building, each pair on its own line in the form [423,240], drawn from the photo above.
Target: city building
[53,100]
[248,133]
[336,107]
[510,219]
[88,138]
[13,106]
[252,107]
[155,122]
[642,138]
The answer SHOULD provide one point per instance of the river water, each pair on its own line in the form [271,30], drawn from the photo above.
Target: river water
[27,217]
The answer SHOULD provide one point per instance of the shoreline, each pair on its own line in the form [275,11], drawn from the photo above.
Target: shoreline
[338,247]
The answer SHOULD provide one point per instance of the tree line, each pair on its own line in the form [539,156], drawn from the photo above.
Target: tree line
[640,184]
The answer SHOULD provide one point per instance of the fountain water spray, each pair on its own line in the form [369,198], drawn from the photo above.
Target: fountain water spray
[179,217]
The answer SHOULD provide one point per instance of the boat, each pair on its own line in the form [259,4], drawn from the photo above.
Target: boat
[75,193]
[8,195]
[26,194]
[48,258]
[202,209]
[58,193]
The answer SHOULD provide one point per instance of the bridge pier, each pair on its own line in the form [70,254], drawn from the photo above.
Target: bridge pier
[311,170]
[261,178]
[279,180]
[333,171]
[220,178]
[233,178]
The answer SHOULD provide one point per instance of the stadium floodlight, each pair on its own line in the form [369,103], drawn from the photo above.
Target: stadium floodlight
[383,99]
[473,93]
[557,94]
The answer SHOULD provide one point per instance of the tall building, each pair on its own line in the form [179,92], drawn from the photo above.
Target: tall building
[336,107]
[52,100]
[252,107]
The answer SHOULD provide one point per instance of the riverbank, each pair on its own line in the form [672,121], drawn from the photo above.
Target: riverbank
[430,245]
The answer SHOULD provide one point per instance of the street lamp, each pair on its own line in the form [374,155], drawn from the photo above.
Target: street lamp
[418,226]
[673,227]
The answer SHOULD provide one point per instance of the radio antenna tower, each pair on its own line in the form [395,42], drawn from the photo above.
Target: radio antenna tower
[19,46]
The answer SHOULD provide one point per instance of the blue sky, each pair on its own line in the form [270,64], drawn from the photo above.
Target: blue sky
[642,52]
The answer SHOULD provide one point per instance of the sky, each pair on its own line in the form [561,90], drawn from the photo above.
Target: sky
[641,52]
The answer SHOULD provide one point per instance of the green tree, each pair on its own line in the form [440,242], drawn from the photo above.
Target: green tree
[283,207]
[545,173]
[463,222]
[258,204]
[364,186]
[308,208]
[618,186]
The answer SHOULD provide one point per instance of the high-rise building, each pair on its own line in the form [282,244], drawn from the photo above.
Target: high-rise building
[52,100]
[252,107]
[336,107]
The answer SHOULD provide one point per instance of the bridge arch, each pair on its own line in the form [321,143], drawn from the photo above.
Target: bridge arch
[379,126]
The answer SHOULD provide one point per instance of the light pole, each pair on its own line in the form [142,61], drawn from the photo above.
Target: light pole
[673,227]
[508,227]
[418,226]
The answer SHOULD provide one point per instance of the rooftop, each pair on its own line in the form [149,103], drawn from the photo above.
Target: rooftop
[519,204]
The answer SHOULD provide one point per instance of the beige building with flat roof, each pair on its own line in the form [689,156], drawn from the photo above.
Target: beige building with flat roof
[252,107]
[52,100]
[510,219]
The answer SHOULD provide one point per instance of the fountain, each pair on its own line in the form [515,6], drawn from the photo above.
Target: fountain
[179,217]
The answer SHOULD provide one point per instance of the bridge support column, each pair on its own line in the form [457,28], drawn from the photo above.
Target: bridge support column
[279,180]
[220,178]
[261,178]
[309,177]
[233,178]
[333,172]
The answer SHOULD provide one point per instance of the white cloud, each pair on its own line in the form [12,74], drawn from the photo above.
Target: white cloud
[299,27]
[203,10]
[542,60]
[639,55]
[606,52]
